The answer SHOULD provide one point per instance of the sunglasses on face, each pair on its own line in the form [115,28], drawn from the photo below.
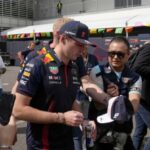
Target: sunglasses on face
[120,55]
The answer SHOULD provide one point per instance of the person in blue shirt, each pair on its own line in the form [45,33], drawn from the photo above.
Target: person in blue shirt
[23,54]
[89,61]
[46,92]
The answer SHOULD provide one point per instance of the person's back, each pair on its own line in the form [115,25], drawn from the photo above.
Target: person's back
[141,66]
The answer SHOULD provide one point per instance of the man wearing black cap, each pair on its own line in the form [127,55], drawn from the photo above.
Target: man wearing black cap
[46,92]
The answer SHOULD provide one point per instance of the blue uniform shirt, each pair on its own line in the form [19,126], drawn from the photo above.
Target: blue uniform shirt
[52,86]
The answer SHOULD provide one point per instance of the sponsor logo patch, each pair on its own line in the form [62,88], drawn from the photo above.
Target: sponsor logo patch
[48,58]
[26,74]
[54,69]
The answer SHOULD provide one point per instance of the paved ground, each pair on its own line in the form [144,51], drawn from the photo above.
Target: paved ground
[8,80]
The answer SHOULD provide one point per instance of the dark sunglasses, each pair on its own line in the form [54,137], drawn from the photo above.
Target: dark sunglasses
[112,54]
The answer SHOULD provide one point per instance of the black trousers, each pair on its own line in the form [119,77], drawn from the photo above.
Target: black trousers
[103,146]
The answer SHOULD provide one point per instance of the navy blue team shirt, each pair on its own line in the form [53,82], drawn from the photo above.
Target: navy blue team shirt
[52,86]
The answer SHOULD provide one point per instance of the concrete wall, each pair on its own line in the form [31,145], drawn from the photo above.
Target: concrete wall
[145,2]
[14,22]
[47,9]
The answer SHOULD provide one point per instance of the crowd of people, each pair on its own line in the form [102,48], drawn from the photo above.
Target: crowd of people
[61,89]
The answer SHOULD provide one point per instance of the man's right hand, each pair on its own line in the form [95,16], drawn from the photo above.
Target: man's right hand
[73,118]
[112,90]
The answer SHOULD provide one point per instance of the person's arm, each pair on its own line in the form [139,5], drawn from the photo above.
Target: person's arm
[135,94]
[14,88]
[135,101]
[141,65]
[20,56]
[96,92]
[23,111]
[76,106]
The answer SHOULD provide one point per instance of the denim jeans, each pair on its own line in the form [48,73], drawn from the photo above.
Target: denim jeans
[142,118]
[77,138]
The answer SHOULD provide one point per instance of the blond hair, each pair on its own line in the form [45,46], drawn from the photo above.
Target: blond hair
[60,22]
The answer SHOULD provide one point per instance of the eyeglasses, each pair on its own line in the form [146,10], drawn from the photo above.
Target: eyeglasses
[120,55]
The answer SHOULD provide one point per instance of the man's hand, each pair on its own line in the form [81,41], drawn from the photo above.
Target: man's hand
[112,90]
[94,129]
[73,118]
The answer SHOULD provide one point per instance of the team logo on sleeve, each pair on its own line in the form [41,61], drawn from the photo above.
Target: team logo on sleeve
[54,69]
[42,51]
[48,58]
[26,74]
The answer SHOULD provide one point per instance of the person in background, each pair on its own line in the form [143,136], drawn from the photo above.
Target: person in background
[23,54]
[47,90]
[88,85]
[89,62]
[129,84]
[2,71]
[142,67]
[59,8]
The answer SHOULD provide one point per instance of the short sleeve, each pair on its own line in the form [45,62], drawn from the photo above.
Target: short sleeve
[31,78]
[96,76]
[136,87]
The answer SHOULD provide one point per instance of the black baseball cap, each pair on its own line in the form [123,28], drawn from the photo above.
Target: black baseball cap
[116,111]
[77,31]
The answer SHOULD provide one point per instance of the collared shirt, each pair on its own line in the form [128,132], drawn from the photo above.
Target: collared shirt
[52,86]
